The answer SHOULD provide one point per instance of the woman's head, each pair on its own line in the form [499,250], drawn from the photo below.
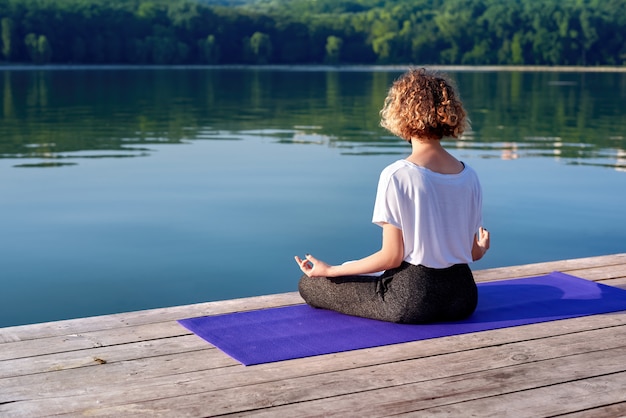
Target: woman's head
[423,105]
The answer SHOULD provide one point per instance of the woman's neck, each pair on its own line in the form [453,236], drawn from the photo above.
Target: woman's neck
[433,156]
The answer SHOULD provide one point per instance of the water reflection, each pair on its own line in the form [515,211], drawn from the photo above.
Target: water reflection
[56,118]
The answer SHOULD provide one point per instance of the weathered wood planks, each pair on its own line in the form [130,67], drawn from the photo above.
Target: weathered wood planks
[145,364]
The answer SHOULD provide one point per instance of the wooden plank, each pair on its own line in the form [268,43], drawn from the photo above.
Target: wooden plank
[578,396]
[548,267]
[600,273]
[99,378]
[433,396]
[104,322]
[184,358]
[248,388]
[111,353]
[408,387]
[621,282]
[89,357]
[95,339]
[604,411]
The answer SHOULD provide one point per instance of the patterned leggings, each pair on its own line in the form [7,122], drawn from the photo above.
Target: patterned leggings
[407,294]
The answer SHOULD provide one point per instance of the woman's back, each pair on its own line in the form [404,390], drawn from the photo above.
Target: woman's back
[439,214]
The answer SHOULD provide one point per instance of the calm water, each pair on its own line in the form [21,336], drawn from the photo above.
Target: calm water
[131,189]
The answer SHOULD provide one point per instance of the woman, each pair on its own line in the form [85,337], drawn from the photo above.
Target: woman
[429,206]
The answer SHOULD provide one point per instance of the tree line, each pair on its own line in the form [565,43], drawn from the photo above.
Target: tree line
[452,32]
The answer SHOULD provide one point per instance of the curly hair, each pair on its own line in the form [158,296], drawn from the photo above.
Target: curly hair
[423,105]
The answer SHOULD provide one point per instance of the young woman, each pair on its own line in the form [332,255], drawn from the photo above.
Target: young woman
[429,206]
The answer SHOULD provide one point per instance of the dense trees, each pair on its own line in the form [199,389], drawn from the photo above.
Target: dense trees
[548,32]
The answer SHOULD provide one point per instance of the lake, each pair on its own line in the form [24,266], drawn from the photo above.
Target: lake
[126,189]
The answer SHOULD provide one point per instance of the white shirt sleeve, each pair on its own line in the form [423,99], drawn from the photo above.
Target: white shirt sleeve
[386,205]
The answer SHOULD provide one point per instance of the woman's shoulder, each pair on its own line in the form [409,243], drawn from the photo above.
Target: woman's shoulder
[469,171]
[394,168]
[396,165]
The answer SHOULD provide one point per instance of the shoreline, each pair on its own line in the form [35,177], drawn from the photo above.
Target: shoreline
[317,67]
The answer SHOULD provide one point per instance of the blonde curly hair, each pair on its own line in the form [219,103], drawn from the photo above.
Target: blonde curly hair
[423,105]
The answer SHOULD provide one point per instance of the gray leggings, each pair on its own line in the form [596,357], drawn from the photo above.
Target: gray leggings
[407,294]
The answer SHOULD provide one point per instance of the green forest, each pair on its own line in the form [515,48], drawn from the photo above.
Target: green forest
[424,32]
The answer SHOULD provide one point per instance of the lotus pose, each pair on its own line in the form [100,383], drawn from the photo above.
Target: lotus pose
[429,207]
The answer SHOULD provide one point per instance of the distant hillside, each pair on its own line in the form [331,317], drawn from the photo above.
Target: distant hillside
[468,32]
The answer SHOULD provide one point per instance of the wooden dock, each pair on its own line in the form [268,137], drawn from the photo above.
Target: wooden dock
[145,364]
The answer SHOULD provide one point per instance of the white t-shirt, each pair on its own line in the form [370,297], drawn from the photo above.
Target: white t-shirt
[439,214]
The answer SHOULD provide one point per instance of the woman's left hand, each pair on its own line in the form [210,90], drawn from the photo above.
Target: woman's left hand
[313,267]
[482,242]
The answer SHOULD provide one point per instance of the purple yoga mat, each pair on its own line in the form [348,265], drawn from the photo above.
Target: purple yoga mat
[297,331]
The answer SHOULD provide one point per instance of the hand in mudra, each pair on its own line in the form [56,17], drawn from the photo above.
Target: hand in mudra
[313,267]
